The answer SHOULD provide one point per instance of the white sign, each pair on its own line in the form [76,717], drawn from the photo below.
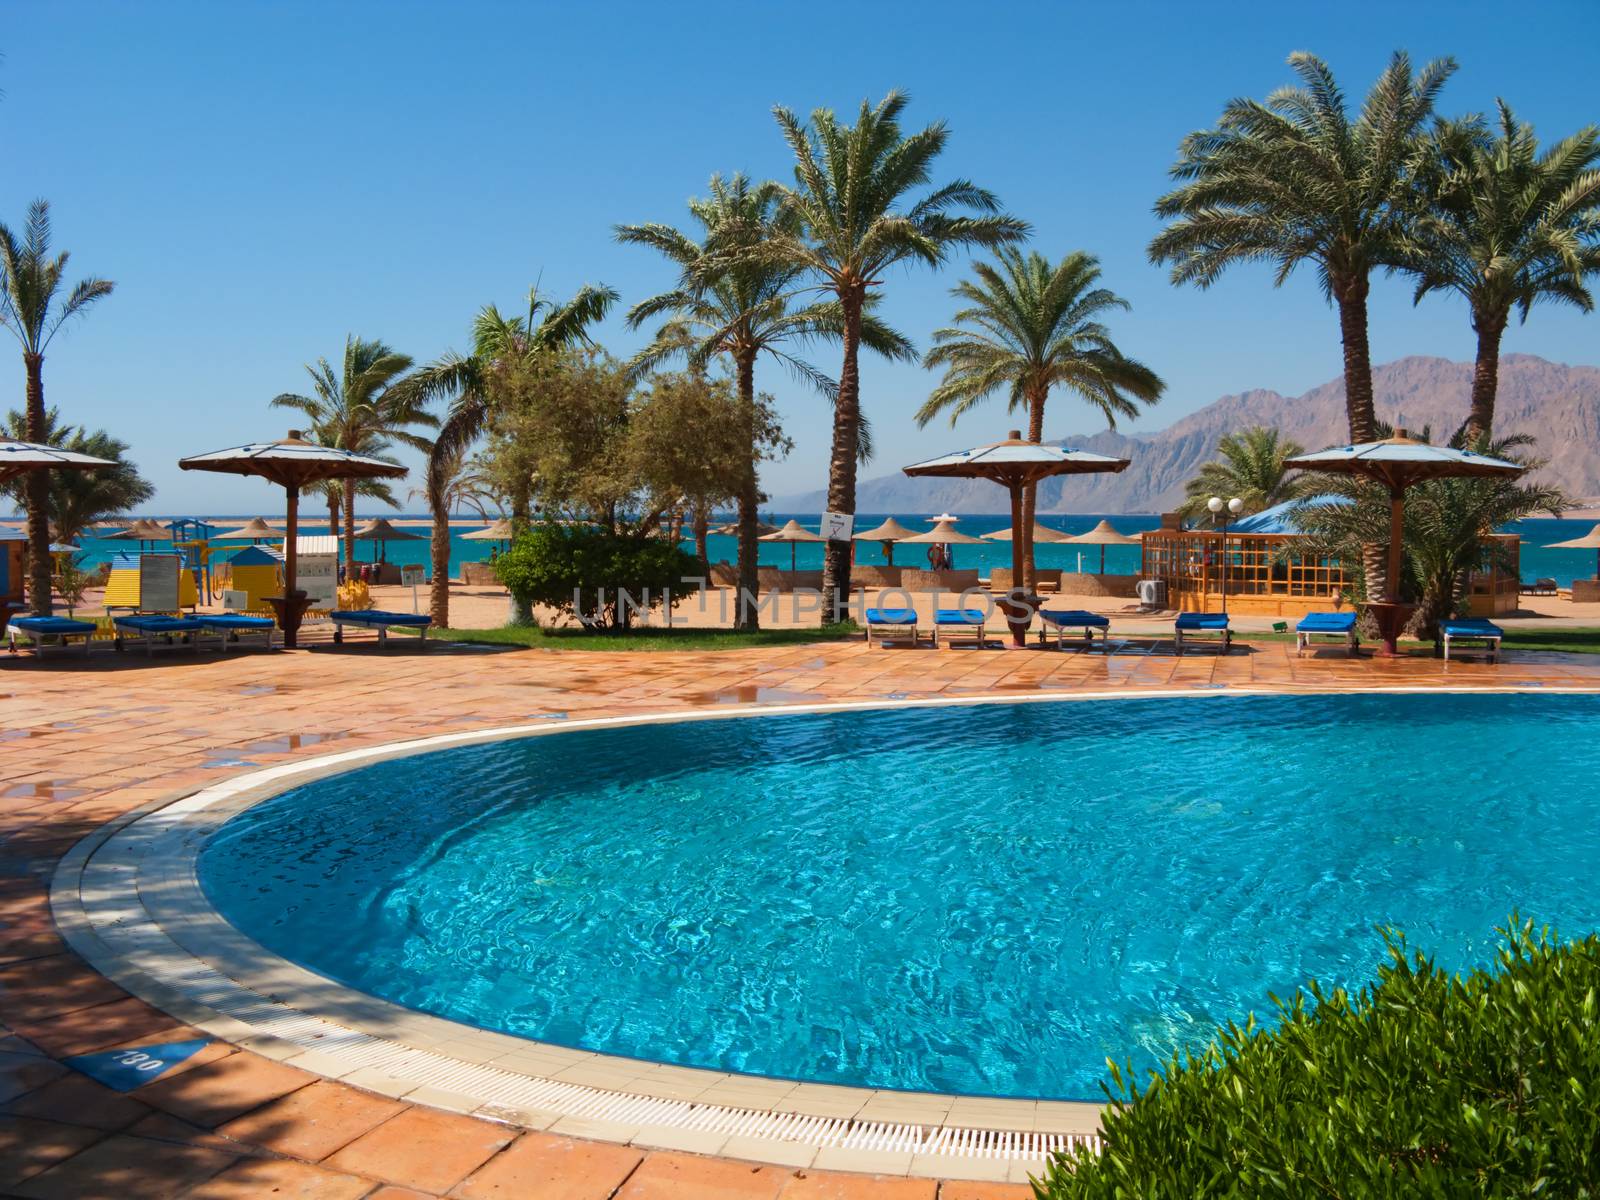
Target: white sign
[838,526]
[413,575]
[317,575]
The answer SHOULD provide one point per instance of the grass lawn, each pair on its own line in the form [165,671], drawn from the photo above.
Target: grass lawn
[644,639]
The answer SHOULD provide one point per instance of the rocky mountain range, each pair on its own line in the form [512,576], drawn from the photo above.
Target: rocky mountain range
[1556,403]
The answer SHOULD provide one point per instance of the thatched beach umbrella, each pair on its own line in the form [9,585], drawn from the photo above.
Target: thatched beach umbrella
[1398,463]
[380,532]
[500,531]
[292,464]
[1015,464]
[1589,541]
[1041,533]
[1103,535]
[794,533]
[143,530]
[890,532]
[253,530]
[732,529]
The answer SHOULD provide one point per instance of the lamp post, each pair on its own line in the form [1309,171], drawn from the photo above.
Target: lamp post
[1223,510]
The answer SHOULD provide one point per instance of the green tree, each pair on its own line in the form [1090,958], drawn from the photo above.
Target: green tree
[1447,526]
[360,410]
[1249,465]
[856,223]
[1297,180]
[32,308]
[1030,326]
[731,301]
[449,481]
[504,347]
[77,500]
[1504,226]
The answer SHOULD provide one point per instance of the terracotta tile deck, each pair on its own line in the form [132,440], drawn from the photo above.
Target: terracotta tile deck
[84,742]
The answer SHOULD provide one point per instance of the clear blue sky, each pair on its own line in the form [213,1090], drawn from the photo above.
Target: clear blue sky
[260,179]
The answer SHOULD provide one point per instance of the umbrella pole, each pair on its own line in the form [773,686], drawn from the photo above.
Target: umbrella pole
[1018,623]
[1102,560]
[1390,626]
[291,521]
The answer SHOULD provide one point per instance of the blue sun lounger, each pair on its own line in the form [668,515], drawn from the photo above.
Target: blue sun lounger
[158,631]
[1190,624]
[959,618]
[1326,624]
[892,624]
[234,628]
[40,631]
[1062,620]
[1477,630]
[377,618]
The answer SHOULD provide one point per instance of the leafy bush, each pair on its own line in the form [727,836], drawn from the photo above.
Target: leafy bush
[583,572]
[1424,1084]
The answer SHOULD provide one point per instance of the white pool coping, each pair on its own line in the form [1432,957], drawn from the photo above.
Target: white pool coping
[128,900]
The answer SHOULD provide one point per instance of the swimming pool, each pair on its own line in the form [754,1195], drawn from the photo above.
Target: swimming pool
[988,899]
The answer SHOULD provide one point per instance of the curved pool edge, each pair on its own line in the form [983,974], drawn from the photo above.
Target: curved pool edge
[128,900]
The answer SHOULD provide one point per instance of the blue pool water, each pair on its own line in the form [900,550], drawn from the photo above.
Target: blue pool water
[986,899]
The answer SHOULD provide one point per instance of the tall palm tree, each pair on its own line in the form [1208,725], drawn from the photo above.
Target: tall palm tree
[464,383]
[79,499]
[31,308]
[359,409]
[1249,465]
[1504,226]
[856,223]
[1296,180]
[1030,326]
[730,302]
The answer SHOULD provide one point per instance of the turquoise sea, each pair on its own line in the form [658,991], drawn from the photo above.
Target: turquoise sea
[1561,565]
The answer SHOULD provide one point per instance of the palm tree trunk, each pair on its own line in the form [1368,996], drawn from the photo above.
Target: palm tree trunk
[38,495]
[521,519]
[349,528]
[439,556]
[1485,374]
[1351,296]
[746,614]
[842,462]
[1030,498]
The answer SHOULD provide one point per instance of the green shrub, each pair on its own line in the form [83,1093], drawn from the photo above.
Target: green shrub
[1423,1084]
[582,571]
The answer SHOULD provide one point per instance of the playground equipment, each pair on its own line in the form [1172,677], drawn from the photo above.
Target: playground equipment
[191,538]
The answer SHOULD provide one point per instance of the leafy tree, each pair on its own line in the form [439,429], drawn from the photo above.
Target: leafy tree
[1250,465]
[1030,326]
[77,500]
[33,310]
[1504,226]
[360,410]
[1297,180]
[856,223]
[583,571]
[731,301]
[1446,531]
[508,348]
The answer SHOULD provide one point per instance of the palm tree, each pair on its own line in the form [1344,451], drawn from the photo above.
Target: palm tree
[855,224]
[1504,226]
[31,309]
[79,499]
[359,409]
[734,303]
[443,479]
[1030,326]
[1250,465]
[465,384]
[1297,180]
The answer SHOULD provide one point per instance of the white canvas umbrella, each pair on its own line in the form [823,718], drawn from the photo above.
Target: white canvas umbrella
[1399,462]
[18,458]
[292,463]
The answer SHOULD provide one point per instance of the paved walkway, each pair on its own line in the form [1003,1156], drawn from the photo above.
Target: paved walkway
[84,742]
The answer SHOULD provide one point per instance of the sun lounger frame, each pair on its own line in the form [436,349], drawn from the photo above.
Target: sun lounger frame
[37,638]
[1487,634]
[945,618]
[1302,638]
[1202,634]
[1061,620]
[381,621]
[140,630]
[872,621]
